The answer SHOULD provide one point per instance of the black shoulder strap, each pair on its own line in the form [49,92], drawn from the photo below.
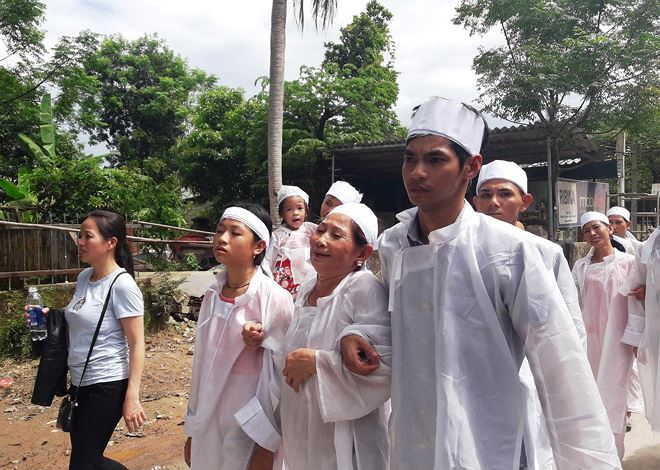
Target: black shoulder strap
[98,326]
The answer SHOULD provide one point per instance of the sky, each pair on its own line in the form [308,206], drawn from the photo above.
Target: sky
[231,40]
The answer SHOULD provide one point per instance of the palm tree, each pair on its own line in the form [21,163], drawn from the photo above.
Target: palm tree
[322,11]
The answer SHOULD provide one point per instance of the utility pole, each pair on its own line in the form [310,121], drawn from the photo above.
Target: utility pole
[634,185]
[621,164]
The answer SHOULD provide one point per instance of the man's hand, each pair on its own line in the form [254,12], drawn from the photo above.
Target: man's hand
[638,292]
[359,355]
[300,365]
[253,334]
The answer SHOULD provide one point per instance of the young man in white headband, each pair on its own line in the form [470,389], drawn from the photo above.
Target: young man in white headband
[502,191]
[470,297]
[619,218]
[339,193]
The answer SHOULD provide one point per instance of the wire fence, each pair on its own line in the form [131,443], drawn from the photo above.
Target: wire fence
[37,251]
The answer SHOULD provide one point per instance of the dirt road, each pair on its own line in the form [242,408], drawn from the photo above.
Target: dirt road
[30,441]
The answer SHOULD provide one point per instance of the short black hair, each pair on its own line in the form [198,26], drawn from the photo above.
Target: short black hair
[263,215]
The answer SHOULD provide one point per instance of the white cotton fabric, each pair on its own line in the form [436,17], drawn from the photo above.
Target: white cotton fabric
[466,309]
[288,256]
[288,191]
[605,313]
[363,217]
[338,420]
[226,375]
[618,210]
[345,192]
[593,215]
[643,328]
[630,243]
[503,170]
[449,119]
[109,359]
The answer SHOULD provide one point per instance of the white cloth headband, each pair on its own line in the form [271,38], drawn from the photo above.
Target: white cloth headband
[593,215]
[361,215]
[618,210]
[449,119]
[249,219]
[344,192]
[288,191]
[503,170]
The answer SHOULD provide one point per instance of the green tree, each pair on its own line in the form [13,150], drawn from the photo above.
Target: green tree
[134,96]
[21,37]
[565,63]
[365,41]
[212,156]
[73,184]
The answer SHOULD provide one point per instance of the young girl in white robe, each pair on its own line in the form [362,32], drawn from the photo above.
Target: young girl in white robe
[226,374]
[288,253]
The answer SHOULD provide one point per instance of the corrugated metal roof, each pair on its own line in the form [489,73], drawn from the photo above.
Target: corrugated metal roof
[524,144]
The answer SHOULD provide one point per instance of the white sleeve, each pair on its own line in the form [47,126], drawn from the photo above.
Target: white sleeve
[344,395]
[636,311]
[272,251]
[190,425]
[569,292]
[259,418]
[127,298]
[384,258]
[578,426]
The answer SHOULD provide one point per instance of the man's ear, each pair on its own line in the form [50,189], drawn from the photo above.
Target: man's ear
[472,166]
[527,201]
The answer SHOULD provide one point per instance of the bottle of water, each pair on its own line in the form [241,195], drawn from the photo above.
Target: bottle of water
[37,318]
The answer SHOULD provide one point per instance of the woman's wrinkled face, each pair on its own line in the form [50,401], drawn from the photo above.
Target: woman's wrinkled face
[92,247]
[596,233]
[333,247]
[294,212]
[234,243]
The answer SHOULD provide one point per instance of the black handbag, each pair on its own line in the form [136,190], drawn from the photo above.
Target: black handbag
[67,410]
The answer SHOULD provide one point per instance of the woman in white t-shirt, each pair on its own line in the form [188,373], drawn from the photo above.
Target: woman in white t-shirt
[110,387]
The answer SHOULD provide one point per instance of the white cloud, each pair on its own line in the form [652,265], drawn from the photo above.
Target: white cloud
[231,39]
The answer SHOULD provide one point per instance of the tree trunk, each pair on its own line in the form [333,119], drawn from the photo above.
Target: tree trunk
[276,103]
